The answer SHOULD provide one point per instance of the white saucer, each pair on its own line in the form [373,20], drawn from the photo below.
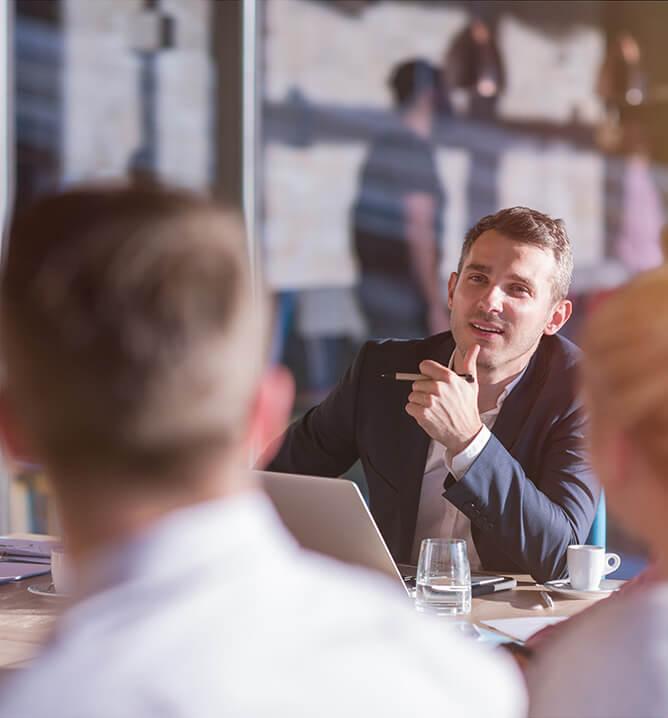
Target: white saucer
[46,590]
[564,588]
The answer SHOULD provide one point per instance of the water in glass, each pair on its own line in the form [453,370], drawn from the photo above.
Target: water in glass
[443,597]
[443,584]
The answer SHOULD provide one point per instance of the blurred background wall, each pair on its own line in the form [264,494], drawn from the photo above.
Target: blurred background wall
[572,128]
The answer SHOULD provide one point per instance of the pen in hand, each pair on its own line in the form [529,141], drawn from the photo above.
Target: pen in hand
[405,376]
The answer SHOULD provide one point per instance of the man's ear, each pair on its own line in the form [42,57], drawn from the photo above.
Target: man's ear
[271,413]
[13,438]
[561,313]
[452,283]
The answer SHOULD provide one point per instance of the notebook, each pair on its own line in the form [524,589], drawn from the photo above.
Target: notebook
[22,558]
[15,571]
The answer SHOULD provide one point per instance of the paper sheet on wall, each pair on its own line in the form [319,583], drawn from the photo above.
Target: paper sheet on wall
[522,628]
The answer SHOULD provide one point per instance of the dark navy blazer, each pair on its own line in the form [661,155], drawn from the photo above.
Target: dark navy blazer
[529,494]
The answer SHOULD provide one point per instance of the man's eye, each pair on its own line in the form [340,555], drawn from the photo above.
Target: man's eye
[477,278]
[520,289]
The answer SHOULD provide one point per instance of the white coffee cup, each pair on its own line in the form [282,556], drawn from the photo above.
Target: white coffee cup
[588,564]
[61,572]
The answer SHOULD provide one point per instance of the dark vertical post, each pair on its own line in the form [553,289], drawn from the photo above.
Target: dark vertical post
[144,160]
[228,123]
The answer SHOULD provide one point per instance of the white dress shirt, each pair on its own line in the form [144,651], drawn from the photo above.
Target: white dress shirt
[217,612]
[437,517]
[610,663]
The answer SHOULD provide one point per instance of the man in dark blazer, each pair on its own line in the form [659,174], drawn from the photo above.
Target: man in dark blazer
[487,445]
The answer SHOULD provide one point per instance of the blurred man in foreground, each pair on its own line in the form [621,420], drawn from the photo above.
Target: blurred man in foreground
[135,373]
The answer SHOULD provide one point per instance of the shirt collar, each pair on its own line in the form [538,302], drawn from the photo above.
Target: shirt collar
[226,530]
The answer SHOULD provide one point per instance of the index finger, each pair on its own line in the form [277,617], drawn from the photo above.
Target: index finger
[435,371]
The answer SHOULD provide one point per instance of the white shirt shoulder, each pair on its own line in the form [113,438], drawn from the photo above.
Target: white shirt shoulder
[267,630]
[612,663]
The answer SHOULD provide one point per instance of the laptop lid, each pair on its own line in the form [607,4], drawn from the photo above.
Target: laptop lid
[330,516]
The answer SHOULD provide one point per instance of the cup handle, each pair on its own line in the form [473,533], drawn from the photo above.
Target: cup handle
[612,563]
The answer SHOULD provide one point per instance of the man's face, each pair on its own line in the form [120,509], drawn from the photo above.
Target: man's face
[503,301]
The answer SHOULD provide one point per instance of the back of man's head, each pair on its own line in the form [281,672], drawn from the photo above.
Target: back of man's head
[131,343]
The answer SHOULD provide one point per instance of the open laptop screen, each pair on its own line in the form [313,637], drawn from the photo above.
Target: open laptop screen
[331,517]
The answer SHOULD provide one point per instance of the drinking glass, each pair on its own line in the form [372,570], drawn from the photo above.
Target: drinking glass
[443,583]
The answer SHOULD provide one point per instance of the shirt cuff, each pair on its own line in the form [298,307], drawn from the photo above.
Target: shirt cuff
[461,462]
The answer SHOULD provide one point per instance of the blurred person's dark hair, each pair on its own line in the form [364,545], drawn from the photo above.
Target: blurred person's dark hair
[410,79]
[131,341]
[529,226]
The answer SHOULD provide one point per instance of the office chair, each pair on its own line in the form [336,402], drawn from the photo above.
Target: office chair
[597,534]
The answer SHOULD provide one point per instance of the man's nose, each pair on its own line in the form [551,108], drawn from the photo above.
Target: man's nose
[491,300]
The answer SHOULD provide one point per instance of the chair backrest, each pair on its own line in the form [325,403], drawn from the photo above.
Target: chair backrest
[597,534]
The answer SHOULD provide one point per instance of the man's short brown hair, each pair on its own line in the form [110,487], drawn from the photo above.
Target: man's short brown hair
[129,334]
[523,224]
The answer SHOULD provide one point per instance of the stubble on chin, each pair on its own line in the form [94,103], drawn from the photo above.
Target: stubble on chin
[501,359]
[487,364]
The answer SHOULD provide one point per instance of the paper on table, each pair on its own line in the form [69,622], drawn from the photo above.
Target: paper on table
[492,638]
[522,628]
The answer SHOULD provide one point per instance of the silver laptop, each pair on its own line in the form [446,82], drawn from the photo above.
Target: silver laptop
[330,516]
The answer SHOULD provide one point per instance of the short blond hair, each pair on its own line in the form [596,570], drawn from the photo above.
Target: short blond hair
[131,340]
[626,363]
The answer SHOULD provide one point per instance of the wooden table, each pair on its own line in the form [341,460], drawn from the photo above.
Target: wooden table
[521,602]
[26,619]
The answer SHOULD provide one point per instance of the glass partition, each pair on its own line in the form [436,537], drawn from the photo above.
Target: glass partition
[119,89]
[384,130]
[390,128]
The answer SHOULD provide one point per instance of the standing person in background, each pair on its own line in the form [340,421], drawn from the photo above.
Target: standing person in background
[397,217]
[636,239]
[135,372]
[623,81]
[474,63]
[611,662]
[475,78]
[634,205]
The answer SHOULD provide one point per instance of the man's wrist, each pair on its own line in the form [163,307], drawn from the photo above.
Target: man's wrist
[457,448]
[460,463]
